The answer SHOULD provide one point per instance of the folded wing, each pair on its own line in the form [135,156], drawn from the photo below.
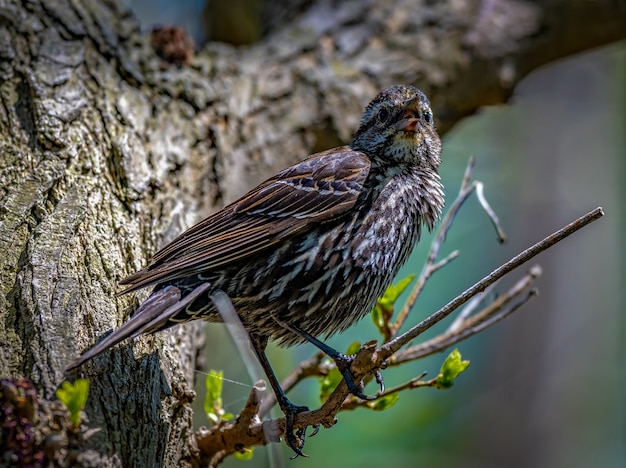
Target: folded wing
[316,190]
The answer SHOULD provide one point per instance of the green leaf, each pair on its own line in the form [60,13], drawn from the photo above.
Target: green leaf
[383,403]
[383,310]
[74,397]
[354,348]
[245,455]
[329,382]
[393,291]
[378,317]
[450,370]
[213,406]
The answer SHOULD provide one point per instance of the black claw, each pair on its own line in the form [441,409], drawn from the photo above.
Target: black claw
[343,363]
[295,441]
[316,429]
[380,381]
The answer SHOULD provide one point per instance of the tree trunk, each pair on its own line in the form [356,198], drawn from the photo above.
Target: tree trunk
[106,155]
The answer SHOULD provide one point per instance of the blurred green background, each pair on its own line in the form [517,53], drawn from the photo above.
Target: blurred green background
[546,388]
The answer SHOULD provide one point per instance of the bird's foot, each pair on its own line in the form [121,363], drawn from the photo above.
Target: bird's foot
[295,440]
[343,363]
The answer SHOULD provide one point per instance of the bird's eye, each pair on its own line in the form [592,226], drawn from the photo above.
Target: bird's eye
[428,117]
[383,114]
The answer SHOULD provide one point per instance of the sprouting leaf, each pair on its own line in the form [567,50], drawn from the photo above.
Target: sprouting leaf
[383,403]
[354,348]
[450,370]
[329,382]
[213,406]
[393,291]
[74,397]
[378,317]
[383,310]
[246,454]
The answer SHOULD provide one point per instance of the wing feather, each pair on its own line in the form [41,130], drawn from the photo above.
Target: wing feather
[318,189]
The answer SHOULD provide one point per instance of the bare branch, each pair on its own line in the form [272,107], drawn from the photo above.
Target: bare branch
[512,300]
[492,214]
[470,307]
[352,403]
[397,343]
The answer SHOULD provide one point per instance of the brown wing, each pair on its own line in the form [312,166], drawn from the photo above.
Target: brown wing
[318,189]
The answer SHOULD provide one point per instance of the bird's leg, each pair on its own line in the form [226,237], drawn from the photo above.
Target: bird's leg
[294,441]
[342,362]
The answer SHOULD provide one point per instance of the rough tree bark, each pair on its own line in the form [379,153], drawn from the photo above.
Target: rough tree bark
[105,155]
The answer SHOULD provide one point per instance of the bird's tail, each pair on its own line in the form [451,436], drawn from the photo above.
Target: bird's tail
[151,316]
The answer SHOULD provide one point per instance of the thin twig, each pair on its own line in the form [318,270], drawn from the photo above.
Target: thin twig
[506,300]
[506,304]
[492,214]
[427,272]
[470,307]
[398,342]
[467,175]
[430,268]
[352,402]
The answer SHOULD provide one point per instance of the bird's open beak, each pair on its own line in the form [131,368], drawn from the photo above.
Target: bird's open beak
[410,120]
[407,124]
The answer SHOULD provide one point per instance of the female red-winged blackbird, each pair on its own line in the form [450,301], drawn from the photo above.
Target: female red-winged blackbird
[307,252]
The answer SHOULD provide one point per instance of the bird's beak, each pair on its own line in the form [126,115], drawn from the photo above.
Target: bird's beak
[409,121]
[411,103]
[407,124]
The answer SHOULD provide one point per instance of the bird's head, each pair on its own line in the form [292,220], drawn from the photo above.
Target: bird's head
[397,131]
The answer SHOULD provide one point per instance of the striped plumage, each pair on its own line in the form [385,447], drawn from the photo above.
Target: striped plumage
[314,245]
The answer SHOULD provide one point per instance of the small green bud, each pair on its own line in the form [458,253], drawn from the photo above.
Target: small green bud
[213,406]
[74,397]
[450,370]
[384,403]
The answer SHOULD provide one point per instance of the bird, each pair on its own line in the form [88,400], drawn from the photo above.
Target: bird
[305,254]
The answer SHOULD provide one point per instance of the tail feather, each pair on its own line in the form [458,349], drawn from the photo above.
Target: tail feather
[167,299]
[159,322]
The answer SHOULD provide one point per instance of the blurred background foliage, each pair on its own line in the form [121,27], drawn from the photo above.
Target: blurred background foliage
[545,387]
